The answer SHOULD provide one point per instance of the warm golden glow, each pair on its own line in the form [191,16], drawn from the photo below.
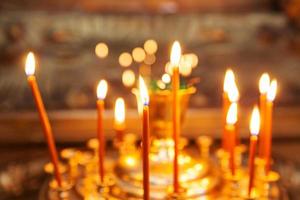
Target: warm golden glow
[271,94]
[150,46]
[168,68]
[185,66]
[231,117]
[175,54]
[144,96]
[128,78]
[30,64]
[101,50]
[150,59]
[102,89]
[191,58]
[119,111]
[136,93]
[264,83]
[138,54]
[255,121]
[166,78]
[233,93]
[161,84]
[229,78]
[125,59]
[130,161]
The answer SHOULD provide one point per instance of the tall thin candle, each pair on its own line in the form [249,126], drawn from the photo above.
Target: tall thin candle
[230,95]
[145,137]
[231,120]
[175,60]
[268,126]
[254,130]
[264,83]
[101,94]
[30,69]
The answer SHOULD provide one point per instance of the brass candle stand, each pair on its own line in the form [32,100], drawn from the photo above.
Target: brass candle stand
[205,176]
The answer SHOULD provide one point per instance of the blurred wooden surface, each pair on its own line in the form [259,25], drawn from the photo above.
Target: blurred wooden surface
[78,126]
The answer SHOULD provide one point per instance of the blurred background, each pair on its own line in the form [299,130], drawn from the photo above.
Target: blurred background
[79,42]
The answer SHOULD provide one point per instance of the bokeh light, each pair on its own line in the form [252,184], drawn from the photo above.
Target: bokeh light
[125,59]
[101,50]
[166,78]
[138,54]
[128,78]
[168,68]
[185,66]
[150,59]
[192,58]
[150,46]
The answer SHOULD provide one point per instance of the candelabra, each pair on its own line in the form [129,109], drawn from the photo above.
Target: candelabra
[203,173]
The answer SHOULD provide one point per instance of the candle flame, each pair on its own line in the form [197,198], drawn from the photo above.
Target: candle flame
[231,117]
[230,86]
[144,97]
[102,89]
[175,54]
[271,94]
[233,93]
[229,78]
[120,111]
[255,121]
[264,83]
[30,64]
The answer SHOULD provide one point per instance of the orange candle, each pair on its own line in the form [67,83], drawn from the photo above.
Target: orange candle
[254,130]
[230,95]
[101,94]
[119,120]
[174,60]
[264,83]
[30,69]
[268,125]
[231,120]
[145,138]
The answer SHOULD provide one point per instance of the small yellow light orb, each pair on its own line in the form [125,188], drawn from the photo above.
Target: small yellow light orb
[101,50]
[128,78]
[150,46]
[166,78]
[125,59]
[138,54]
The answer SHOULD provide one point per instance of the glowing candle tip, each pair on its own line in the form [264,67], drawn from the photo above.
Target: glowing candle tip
[120,110]
[255,121]
[264,83]
[102,89]
[175,54]
[231,117]
[144,97]
[271,93]
[30,64]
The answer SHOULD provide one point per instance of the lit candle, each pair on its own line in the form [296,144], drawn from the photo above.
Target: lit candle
[264,83]
[254,130]
[268,125]
[144,97]
[101,94]
[230,95]
[175,60]
[119,122]
[231,120]
[30,69]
